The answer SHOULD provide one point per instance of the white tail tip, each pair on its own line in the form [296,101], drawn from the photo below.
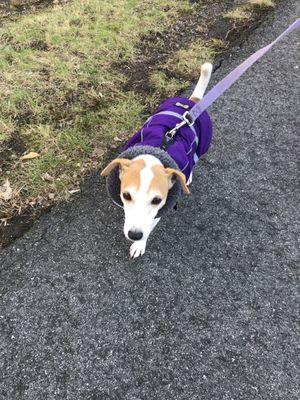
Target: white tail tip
[198,93]
[206,69]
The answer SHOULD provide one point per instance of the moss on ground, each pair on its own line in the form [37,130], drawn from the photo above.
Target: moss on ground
[245,11]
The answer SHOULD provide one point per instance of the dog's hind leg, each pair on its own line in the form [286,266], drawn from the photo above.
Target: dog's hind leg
[198,93]
[203,82]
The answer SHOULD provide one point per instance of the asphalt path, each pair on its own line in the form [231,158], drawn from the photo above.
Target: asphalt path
[212,309]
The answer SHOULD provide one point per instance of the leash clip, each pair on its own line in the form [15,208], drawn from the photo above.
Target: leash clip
[188,118]
[169,136]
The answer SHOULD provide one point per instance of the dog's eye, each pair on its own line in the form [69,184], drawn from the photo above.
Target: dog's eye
[127,196]
[156,200]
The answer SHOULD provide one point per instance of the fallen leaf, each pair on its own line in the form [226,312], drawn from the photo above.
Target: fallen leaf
[6,191]
[73,191]
[47,177]
[29,156]
[51,196]
[97,152]
[4,221]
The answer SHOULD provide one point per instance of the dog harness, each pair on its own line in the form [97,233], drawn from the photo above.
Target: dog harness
[180,151]
[190,141]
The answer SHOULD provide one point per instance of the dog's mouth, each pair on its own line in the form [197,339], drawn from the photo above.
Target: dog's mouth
[132,240]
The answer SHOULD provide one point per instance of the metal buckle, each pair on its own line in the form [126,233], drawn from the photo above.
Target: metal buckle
[173,131]
[168,136]
[188,118]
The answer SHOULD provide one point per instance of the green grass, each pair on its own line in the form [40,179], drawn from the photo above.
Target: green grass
[165,86]
[245,11]
[239,13]
[186,61]
[262,3]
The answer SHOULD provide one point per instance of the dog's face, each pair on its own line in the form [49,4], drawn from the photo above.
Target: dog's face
[145,184]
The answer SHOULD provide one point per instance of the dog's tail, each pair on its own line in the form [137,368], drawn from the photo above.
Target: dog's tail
[201,86]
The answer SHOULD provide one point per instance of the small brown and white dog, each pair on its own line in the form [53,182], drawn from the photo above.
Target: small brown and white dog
[145,183]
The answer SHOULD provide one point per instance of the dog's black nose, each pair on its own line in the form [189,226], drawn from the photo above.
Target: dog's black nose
[135,235]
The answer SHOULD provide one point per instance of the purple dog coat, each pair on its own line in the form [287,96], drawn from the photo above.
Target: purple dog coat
[189,142]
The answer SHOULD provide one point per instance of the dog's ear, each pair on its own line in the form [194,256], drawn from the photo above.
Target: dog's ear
[174,175]
[123,163]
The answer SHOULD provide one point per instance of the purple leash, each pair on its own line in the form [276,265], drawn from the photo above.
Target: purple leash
[224,84]
[189,117]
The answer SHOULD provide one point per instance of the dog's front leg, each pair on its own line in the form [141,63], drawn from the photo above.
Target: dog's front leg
[138,247]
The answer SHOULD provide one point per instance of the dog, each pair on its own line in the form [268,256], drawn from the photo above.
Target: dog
[144,177]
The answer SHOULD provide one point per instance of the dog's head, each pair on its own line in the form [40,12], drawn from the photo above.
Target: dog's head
[145,184]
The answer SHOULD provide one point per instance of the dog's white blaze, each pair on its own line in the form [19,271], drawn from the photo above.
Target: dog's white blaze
[146,174]
[139,213]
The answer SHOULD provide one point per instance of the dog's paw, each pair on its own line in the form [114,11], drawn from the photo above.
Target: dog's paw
[137,249]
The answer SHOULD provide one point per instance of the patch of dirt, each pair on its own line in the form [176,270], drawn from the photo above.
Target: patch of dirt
[13,148]
[15,228]
[12,9]
[155,48]
[205,22]
[39,45]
